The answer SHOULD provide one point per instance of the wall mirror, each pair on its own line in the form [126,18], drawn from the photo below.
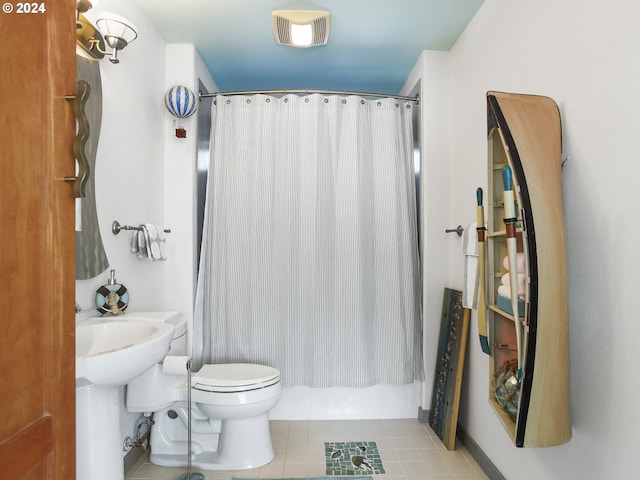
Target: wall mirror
[91,259]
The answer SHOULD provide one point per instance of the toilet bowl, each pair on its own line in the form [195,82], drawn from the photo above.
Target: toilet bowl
[230,414]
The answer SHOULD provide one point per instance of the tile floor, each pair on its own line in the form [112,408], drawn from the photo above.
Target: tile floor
[408,449]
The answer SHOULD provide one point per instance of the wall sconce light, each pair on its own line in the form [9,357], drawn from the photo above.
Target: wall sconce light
[301,28]
[181,103]
[118,32]
[113,30]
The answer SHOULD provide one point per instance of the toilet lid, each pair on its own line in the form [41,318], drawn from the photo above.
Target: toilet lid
[234,377]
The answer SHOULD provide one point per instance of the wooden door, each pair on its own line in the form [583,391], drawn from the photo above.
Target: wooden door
[37,323]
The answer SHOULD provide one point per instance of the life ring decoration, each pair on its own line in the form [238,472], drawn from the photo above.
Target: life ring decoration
[181,103]
[112,299]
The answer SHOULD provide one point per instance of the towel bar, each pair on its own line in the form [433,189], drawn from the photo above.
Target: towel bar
[116,227]
[458,230]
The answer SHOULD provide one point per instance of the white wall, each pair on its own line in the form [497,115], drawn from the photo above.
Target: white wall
[585,55]
[184,67]
[431,73]
[144,173]
[129,169]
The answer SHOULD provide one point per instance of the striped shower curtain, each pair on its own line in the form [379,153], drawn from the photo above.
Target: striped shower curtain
[309,260]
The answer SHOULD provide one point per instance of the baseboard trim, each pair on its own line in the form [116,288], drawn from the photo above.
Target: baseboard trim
[478,455]
[474,449]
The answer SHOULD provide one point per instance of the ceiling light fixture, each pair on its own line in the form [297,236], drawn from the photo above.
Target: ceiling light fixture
[301,28]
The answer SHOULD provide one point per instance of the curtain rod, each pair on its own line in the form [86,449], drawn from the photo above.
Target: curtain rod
[307,92]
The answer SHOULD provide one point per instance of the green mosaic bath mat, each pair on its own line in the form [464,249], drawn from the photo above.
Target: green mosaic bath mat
[352,458]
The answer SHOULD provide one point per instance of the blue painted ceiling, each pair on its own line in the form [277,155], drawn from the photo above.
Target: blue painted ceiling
[373,46]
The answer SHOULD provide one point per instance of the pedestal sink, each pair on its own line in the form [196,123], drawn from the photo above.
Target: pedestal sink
[109,354]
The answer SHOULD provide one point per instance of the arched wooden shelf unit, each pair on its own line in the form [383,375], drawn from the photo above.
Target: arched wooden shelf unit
[524,133]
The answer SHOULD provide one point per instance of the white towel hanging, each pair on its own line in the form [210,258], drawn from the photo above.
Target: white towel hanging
[148,242]
[155,241]
[470,251]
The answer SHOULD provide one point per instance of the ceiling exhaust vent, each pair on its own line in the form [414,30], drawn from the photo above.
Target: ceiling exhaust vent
[301,28]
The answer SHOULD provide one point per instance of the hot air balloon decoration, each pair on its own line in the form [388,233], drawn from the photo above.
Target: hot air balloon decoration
[181,102]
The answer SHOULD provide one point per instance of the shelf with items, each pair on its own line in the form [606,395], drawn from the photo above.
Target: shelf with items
[498,268]
[528,367]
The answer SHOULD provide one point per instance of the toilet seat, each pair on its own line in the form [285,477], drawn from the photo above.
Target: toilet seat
[234,377]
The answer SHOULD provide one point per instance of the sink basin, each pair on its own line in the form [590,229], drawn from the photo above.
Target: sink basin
[112,352]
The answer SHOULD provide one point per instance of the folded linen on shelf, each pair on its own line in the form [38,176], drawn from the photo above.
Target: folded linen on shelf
[506,281]
[505,291]
[520,262]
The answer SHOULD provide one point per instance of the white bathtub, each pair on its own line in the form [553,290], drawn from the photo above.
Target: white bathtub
[377,402]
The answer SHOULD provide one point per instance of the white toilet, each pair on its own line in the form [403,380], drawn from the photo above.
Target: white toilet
[230,410]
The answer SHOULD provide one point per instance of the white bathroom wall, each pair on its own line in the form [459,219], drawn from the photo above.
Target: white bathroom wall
[129,169]
[584,54]
[146,174]
[431,73]
[184,67]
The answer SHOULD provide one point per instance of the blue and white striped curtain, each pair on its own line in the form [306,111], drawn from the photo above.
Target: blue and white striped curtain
[309,260]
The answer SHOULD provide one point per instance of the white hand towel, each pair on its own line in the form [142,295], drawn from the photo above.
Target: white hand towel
[470,240]
[134,242]
[470,251]
[142,251]
[155,241]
